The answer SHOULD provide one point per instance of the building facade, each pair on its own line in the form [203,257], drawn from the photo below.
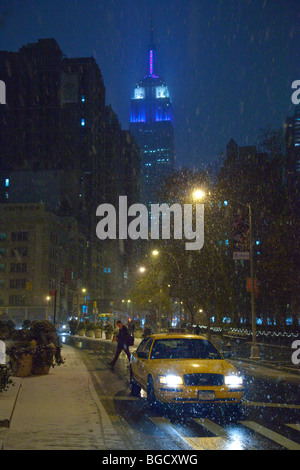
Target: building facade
[43,258]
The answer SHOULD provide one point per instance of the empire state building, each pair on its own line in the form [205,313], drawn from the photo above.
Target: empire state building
[152,127]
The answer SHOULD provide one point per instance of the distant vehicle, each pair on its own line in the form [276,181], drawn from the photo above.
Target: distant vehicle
[182,368]
[64,328]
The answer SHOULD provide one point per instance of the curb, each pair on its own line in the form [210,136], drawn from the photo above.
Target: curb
[8,402]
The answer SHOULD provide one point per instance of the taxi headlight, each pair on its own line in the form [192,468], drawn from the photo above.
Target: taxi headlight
[170,380]
[233,380]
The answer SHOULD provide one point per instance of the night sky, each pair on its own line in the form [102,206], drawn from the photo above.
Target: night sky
[229,64]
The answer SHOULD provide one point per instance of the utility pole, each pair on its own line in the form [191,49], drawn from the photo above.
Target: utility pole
[254,348]
[54,308]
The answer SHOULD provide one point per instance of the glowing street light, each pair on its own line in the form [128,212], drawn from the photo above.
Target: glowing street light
[198,194]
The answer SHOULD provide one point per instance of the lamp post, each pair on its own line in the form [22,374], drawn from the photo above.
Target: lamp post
[254,348]
[53,293]
[130,303]
[199,194]
[48,298]
[156,253]
[81,298]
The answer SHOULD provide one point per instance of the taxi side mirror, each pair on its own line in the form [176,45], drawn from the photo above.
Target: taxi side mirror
[142,355]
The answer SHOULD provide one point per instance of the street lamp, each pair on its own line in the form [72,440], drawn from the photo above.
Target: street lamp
[198,194]
[142,269]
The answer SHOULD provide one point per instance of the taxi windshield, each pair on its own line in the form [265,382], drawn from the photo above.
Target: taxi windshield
[184,348]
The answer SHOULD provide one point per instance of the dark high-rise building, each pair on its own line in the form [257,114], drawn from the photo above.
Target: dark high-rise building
[53,120]
[292,143]
[152,127]
[60,145]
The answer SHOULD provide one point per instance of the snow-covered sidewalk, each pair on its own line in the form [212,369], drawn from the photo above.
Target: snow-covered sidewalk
[60,410]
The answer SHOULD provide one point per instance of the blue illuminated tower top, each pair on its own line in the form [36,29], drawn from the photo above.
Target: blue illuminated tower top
[151,124]
[151,101]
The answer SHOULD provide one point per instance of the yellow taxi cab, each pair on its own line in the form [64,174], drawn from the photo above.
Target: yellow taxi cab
[183,368]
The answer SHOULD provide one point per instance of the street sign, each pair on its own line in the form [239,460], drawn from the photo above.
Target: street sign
[249,287]
[244,255]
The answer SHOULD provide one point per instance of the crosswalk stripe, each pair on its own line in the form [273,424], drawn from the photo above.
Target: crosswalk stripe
[211,426]
[294,426]
[208,443]
[273,436]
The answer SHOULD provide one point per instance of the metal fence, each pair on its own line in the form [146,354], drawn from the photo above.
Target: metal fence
[19,314]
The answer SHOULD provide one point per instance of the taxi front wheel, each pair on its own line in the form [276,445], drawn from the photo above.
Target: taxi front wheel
[150,393]
[134,387]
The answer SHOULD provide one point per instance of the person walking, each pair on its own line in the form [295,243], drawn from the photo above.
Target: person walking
[131,328]
[122,339]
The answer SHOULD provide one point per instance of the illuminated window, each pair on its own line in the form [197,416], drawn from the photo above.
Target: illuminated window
[162,92]
[139,93]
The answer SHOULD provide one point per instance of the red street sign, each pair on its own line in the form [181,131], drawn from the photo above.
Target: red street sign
[52,292]
[249,285]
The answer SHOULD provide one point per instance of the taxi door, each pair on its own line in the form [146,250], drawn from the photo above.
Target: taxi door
[141,365]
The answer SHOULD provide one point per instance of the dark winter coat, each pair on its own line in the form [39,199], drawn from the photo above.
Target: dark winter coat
[123,336]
